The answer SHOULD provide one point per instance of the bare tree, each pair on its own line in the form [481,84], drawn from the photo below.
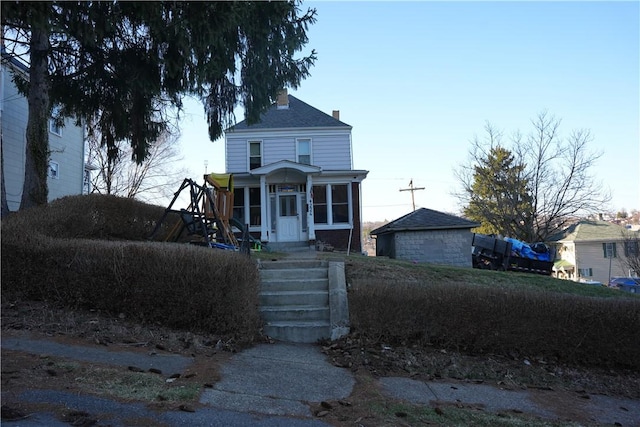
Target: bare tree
[557,178]
[560,175]
[631,244]
[153,180]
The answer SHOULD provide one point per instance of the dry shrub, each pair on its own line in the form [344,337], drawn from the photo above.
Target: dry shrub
[176,285]
[476,319]
[92,216]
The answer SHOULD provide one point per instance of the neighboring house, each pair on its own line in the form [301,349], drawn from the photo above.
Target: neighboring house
[592,250]
[294,176]
[67,172]
[429,236]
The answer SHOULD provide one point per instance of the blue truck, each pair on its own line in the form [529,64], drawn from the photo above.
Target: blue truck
[506,254]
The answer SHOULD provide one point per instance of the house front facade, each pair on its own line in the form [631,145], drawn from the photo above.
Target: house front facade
[67,174]
[294,177]
[593,250]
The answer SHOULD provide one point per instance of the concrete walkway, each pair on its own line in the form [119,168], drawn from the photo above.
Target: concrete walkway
[278,379]
[275,385]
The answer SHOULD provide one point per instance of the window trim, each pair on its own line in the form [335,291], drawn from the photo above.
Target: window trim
[249,156]
[251,223]
[631,248]
[54,128]
[605,247]
[53,170]
[331,223]
[298,141]
[347,204]
[589,272]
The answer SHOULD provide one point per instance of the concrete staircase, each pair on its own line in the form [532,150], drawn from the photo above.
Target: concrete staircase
[303,300]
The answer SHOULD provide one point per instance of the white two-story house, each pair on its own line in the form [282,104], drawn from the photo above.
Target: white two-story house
[67,174]
[294,176]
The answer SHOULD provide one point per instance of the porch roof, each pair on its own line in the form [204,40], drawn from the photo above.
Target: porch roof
[285,164]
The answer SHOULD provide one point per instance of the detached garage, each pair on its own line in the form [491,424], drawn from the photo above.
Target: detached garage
[429,236]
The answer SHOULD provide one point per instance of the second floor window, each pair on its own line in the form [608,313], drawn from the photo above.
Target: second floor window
[304,151]
[255,154]
[609,250]
[631,249]
[55,124]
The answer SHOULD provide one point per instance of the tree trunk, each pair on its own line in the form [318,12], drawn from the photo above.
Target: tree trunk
[5,205]
[35,190]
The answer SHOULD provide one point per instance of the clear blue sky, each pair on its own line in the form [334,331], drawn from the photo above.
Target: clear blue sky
[418,80]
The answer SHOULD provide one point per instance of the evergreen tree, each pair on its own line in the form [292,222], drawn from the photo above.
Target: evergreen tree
[130,63]
[498,196]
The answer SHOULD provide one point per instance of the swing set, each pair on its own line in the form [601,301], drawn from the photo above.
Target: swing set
[209,215]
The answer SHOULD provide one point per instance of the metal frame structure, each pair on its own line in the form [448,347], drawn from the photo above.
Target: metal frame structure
[208,214]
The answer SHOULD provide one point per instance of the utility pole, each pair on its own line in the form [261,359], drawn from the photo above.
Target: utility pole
[412,189]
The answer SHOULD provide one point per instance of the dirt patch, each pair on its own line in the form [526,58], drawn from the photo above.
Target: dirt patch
[558,387]
[25,371]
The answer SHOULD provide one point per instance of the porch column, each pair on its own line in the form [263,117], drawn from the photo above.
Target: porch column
[310,223]
[264,206]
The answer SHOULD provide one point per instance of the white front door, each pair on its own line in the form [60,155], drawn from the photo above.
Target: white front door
[288,218]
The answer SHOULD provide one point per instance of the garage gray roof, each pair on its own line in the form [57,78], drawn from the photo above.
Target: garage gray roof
[425,219]
[298,115]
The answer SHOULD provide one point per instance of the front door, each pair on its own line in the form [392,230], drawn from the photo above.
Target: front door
[288,218]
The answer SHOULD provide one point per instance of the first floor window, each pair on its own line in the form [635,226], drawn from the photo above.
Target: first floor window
[254,206]
[54,170]
[320,204]
[585,272]
[238,204]
[331,204]
[339,203]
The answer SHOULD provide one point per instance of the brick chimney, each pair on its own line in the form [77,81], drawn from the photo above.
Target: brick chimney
[336,114]
[283,100]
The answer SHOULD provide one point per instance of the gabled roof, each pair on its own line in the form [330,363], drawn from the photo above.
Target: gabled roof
[590,231]
[425,219]
[297,115]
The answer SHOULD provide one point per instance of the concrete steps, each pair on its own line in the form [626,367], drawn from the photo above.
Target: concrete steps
[295,300]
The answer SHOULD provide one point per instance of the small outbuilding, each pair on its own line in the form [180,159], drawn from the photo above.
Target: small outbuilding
[425,235]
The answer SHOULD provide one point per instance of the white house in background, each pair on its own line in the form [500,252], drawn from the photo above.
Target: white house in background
[67,172]
[593,250]
[294,176]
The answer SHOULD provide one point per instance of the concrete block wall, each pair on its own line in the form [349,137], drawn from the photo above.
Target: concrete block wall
[451,247]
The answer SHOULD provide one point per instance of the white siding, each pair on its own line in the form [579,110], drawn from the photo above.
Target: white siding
[278,148]
[236,155]
[67,150]
[332,152]
[331,149]
[14,124]
[591,255]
